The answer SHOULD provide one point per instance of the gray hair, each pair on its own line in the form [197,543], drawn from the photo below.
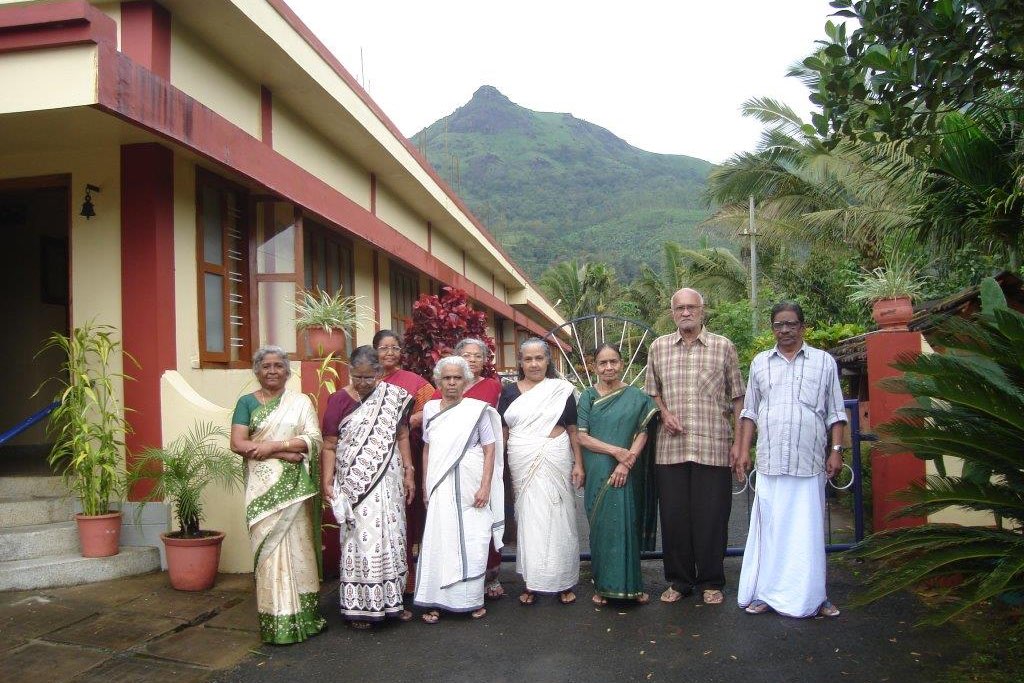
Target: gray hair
[365,355]
[270,350]
[459,361]
[472,341]
[671,299]
[532,341]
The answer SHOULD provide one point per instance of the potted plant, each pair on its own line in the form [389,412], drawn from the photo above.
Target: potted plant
[327,319]
[181,471]
[891,289]
[88,429]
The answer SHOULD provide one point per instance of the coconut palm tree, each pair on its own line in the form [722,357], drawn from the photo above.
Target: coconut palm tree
[580,288]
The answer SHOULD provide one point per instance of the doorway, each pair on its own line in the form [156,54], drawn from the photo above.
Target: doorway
[34,283]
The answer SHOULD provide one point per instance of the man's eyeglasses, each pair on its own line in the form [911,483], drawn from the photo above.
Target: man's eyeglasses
[786,325]
[691,308]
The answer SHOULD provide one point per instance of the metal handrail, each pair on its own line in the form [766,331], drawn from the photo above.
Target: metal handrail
[27,422]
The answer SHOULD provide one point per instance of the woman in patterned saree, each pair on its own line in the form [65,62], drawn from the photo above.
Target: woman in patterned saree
[368,478]
[275,430]
[389,352]
[620,498]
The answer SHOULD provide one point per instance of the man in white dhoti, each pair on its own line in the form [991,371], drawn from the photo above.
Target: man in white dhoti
[462,455]
[794,398]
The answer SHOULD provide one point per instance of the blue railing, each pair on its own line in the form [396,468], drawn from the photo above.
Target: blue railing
[857,487]
[27,422]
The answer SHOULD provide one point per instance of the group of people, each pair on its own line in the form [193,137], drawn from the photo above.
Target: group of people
[419,476]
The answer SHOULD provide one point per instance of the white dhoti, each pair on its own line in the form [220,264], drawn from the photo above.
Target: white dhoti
[784,559]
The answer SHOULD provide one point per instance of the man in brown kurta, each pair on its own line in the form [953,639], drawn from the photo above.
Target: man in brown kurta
[695,380]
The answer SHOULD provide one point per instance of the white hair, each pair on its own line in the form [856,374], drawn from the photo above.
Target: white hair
[264,351]
[467,374]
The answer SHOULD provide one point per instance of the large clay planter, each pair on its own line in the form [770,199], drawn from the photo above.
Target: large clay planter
[100,535]
[192,562]
[322,342]
[893,314]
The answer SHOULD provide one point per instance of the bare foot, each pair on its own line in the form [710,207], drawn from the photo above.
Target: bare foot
[599,600]
[431,617]
[643,599]
[405,615]
[526,598]
[671,595]
[567,597]
[480,613]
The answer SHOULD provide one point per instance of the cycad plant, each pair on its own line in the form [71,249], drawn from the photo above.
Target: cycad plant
[969,403]
[182,471]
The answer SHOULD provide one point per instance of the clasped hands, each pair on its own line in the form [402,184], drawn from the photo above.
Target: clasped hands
[267,450]
[626,460]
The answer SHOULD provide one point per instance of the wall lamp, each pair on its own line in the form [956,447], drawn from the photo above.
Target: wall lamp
[88,210]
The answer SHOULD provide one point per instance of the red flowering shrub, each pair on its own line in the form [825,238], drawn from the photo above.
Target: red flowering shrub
[438,324]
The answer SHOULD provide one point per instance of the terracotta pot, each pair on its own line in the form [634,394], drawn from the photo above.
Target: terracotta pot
[100,535]
[192,562]
[322,342]
[893,314]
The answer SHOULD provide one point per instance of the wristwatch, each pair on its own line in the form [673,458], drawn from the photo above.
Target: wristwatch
[837,448]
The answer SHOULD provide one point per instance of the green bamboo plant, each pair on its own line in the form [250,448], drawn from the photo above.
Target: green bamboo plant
[969,403]
[183,469]
[88,425]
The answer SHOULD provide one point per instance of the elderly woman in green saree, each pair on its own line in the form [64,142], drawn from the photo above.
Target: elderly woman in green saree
[275,430]
[620,496]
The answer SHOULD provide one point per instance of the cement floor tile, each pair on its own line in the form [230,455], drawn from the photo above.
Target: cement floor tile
[143,670]
[212,647]
[240,583]
[115,630]
[112,593]
[241,617]
[187,606]
[46,662]
[35,615]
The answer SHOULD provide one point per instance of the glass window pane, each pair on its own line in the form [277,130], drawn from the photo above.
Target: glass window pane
[277,317]
[333,268]
[213,297]
[307,257]
[275,250]
[213,246]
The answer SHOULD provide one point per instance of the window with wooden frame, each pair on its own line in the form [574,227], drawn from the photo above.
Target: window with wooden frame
[505,331]
[328,259]
[279,273]
[222,254]
[405,289]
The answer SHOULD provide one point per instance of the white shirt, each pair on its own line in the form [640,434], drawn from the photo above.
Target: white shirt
[482,433]
[794,403]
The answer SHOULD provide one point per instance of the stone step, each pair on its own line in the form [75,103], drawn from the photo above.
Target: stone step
[38,540]
[29,511]
[32,487]
[73,569]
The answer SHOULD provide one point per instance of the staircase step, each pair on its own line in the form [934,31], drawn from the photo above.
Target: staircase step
[28,511]
[73,569]
[32,487]
[38,540]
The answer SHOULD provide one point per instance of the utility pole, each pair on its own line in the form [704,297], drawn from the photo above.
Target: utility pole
[752,231]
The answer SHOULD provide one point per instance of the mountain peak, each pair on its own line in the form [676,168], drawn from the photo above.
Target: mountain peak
[489,92]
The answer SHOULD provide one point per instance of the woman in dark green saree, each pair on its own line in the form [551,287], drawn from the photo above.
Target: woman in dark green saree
[620,494]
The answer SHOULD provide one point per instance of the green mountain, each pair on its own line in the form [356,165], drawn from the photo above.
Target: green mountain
[552,187]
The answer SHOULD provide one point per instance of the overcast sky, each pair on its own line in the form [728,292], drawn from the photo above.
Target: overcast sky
[666,76]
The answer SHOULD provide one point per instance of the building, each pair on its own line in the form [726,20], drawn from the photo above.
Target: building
[229,160]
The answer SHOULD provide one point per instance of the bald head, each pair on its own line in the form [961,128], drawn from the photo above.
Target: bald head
[688,312]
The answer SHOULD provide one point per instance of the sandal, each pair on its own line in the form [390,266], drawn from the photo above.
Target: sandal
[643,599]
[566,597]
[757,607]
[432,617]
[405,615]
[671,595]
[713,596]
[494,590]
[526,598]
[360,625]
[599,600]
[827,609]
[480,613]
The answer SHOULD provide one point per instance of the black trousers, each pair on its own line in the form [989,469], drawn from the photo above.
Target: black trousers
[695,503]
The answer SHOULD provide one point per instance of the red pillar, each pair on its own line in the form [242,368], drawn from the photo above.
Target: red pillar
[146,35]
[890,473]
[147,289]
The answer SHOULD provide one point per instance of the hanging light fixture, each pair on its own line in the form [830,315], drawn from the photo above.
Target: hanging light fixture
[88,210]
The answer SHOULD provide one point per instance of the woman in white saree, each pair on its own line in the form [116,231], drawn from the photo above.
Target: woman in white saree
[275,430]
[462,452]
[545,462]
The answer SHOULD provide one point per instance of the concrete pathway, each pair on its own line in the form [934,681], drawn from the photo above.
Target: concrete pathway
[132,629]
[686,641]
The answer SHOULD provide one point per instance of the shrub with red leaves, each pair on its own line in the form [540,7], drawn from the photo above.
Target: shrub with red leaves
[438,324]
